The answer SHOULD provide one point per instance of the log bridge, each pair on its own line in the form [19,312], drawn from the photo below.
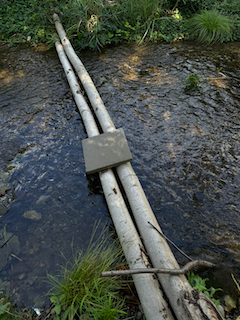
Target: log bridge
[168,296]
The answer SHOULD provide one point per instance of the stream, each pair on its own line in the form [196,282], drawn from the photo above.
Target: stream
[185,147]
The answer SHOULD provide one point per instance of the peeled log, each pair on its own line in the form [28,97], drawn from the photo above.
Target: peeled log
[187,303]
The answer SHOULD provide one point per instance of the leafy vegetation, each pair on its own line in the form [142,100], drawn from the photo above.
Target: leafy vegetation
[191,82]
[198,283]
[96,23]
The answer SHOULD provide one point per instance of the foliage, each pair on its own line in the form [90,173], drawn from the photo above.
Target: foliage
[96,23]
[80,290]
[211,26]
[191,82]
[231,8]
[198,283]
[25,21]
[93,23]
[135,11]
[89,23]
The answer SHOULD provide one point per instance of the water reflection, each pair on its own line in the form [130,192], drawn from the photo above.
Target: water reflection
[185,148]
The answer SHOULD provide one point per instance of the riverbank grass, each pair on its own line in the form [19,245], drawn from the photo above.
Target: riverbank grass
[80,291]
[210,26]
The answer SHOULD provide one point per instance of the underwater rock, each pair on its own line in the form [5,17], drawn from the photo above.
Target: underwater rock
[229,303]
[4,186]
[3,189]
[32,214]
[42,200]
[12,246]
[3,209]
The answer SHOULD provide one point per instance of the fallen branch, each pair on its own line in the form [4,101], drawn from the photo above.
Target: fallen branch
[220,78]
[183,270]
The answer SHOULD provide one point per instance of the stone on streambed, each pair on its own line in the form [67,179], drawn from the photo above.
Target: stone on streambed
[3,189]
[42,200]
[3,209]
[229,303]
[12,246]
[33,215]
[4,179]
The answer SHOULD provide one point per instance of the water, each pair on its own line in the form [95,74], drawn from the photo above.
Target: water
[185,146]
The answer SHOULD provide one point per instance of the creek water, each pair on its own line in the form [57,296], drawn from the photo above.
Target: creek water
[185,147]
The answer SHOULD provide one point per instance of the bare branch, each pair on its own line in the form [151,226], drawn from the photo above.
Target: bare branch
[183,270]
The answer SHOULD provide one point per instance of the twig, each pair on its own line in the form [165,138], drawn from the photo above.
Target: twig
[174,6]
[183,270]
[13,255]
[219,78]
[224,77]
[6,241]
[165,237]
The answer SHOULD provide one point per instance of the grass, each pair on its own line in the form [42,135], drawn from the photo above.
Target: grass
[210,26]
[79,290]
[139,10]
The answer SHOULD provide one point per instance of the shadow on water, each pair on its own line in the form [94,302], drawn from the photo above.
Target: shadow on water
[185,148]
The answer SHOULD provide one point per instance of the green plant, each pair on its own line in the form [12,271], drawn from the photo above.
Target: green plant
[139,10]
[198,283]
[210,26]
[191,82]
[93,23]
[80,290]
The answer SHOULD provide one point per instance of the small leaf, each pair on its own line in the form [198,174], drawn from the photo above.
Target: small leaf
[3,308]
[58,309]
[54,299]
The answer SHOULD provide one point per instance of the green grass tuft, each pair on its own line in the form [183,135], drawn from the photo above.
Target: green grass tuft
[211,26]
[79,290]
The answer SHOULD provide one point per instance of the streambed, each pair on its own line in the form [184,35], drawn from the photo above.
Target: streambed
[185,146]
